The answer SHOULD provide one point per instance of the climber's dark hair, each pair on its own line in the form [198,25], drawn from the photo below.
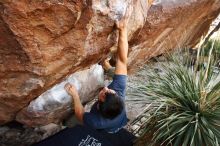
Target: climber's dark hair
[112,106]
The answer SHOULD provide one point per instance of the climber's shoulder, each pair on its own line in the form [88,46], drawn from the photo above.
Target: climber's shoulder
[95,120]
[119,84]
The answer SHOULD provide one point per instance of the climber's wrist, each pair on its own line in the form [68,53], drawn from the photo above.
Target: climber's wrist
[123,32]
[123,29]
[74,95]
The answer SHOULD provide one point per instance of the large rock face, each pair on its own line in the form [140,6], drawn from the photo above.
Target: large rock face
[55,104]
[43,41]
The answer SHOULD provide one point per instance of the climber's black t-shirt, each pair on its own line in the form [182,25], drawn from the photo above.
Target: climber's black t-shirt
[87,136]
[94,118]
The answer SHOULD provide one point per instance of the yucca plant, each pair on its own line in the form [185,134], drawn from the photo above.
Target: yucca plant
[188,99]
[216,47]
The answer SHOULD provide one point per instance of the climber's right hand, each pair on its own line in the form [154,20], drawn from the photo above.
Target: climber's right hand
[71,89]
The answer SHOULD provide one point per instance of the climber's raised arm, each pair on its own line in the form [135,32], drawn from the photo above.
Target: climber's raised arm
[78,107]
[122,51]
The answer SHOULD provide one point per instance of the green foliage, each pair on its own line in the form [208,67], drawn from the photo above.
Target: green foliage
[216,48]
[188,98]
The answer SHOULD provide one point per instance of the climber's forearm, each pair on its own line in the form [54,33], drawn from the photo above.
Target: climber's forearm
[122,52]
[107,65]
[79,109]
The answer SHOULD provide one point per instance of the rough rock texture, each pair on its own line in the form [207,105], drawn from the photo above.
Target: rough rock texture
[14,134]
[216,34]
[55,104]
[43,41]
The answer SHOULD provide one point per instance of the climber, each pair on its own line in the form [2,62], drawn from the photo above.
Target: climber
[108,113]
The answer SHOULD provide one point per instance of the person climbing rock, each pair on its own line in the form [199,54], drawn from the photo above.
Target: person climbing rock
[108,113]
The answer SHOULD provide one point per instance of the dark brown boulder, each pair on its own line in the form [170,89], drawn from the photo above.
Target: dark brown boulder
[41,42]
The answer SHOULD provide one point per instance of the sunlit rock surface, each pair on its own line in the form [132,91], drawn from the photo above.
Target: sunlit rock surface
[55,104]
[215,24]
[41,42]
